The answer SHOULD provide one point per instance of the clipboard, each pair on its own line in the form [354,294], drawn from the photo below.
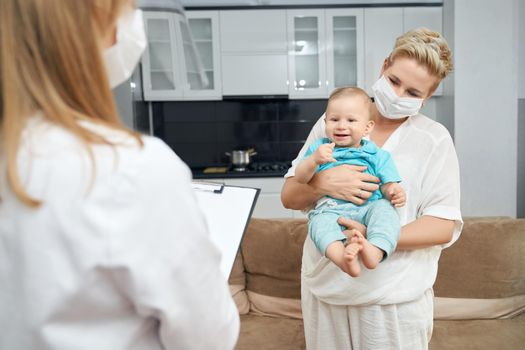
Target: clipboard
[227,210]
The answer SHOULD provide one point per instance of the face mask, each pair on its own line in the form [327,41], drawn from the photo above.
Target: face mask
[392,106]
[122,58]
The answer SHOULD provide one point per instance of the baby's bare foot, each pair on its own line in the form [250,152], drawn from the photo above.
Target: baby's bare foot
[371,255]
[350,259]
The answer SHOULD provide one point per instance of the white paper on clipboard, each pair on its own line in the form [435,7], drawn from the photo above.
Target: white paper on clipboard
[227,210]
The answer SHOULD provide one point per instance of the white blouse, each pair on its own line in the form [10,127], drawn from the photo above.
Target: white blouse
[120,262]
[427,162]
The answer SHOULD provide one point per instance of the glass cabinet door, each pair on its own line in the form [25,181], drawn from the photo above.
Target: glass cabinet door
[345,51]
[307,67]
[202,55]
[160,71]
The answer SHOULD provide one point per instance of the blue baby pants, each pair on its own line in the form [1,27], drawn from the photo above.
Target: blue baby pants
[379,216]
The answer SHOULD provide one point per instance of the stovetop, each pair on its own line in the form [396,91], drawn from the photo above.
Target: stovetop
[256,169]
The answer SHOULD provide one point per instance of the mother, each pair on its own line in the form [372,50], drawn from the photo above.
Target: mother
[390,307]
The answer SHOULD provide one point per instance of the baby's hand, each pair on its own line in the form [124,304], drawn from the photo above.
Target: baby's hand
[395,194]
[324,153]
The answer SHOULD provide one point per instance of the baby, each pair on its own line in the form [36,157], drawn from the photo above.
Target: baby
[347,120]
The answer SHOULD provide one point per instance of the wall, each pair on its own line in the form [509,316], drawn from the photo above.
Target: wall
[485,110]
[521,111]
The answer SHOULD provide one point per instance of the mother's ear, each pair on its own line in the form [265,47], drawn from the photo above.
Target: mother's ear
[386,64]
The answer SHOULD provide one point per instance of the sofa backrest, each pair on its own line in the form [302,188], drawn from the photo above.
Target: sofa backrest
[487,262]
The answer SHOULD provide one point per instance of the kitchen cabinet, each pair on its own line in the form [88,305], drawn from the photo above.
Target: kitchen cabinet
[345,52]
[161,68]
[204,28]
[269,201]
[253,52]
[326,51]
[175,67]
[306,54]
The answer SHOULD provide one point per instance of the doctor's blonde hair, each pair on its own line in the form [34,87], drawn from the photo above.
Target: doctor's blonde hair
[427,47]
[51,62]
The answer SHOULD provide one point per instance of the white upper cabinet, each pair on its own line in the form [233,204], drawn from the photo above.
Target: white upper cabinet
[175,67]
[306,54]
[326,51]
[382,27]
[345,49]
[253,31]
[253,52]
[161,65]
[204,82]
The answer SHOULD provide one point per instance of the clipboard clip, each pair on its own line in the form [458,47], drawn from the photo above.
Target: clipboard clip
[208,187]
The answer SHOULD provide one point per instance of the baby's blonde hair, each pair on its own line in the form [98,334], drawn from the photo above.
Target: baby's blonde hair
[428,48]
[351,91]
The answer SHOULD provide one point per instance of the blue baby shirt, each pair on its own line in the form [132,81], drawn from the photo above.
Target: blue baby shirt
[378,162]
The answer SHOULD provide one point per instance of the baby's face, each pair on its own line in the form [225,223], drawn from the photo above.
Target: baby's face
[347,121]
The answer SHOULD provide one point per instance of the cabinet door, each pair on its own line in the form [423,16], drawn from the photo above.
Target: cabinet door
[429,17]
[345,48]
[382,27]
[203,82]
[161,66]
[306,54]
[254,75]
[253,31]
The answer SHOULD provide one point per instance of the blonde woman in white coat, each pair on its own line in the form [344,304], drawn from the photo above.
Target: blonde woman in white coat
[389,307]
[102,245]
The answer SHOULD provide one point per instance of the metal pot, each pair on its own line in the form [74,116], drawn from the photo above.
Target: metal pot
[240,159]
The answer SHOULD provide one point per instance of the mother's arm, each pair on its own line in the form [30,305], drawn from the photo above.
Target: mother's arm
[347,182]
[424,232]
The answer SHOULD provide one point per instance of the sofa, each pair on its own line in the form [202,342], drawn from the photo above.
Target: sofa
[479,292]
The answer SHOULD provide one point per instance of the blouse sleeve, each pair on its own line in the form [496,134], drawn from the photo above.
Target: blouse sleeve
[440,190]
[316,133]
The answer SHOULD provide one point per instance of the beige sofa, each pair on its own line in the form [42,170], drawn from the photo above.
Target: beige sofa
[479,292]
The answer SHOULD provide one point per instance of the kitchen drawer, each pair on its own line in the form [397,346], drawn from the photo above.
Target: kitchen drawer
[267,185]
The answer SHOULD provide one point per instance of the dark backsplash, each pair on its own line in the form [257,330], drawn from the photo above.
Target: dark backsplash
[201,132]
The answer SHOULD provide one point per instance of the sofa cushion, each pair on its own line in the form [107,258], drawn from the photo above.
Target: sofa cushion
[272,251]
[270,333]
[508,334]
[487,261]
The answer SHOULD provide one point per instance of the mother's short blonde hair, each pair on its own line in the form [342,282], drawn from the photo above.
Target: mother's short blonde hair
[427,47]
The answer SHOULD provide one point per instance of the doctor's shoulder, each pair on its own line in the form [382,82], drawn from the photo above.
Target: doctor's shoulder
[158,156]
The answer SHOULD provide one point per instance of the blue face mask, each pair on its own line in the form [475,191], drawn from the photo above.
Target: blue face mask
[392,106]
[122,58]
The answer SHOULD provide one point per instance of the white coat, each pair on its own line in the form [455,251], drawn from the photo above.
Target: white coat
[124,262]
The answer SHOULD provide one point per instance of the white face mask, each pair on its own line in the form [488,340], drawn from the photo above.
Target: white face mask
[392,106]
[122,58]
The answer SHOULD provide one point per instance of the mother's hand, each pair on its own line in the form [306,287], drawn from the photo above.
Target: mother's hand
[346,182]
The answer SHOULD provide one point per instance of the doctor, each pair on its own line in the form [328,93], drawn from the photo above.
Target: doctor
[102,245]
[389,307]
